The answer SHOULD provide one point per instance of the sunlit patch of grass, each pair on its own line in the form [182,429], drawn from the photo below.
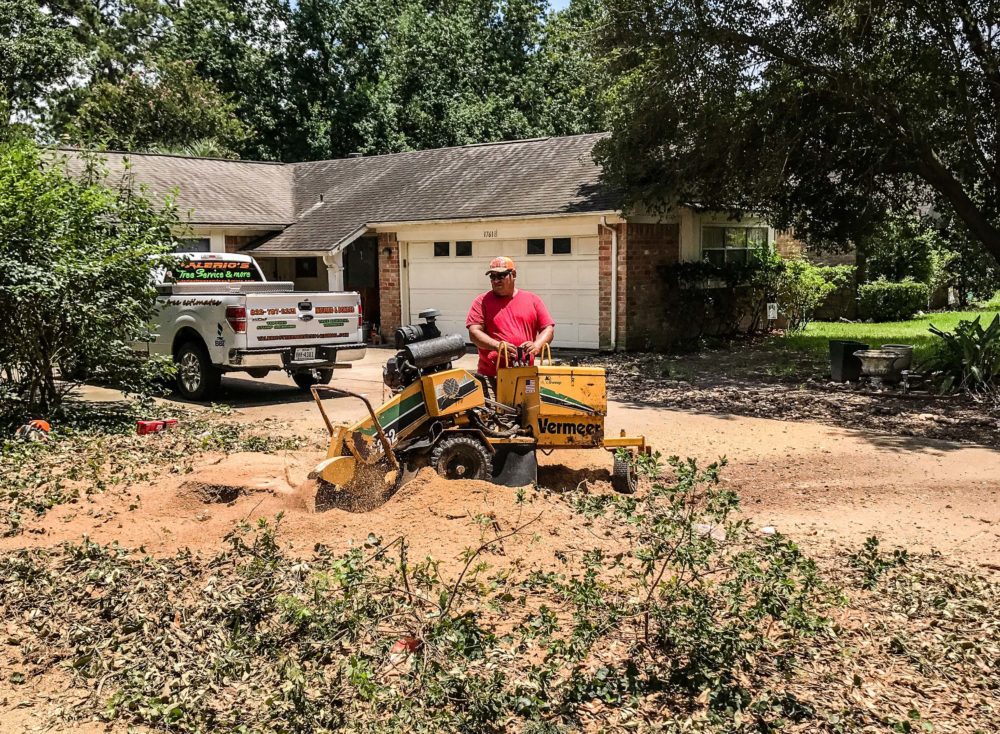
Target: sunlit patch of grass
[814,339]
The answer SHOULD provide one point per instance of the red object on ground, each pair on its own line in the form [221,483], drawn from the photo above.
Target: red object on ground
[405,645]
[34,430]
[145,427]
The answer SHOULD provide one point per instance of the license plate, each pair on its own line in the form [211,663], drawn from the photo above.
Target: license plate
[304,353]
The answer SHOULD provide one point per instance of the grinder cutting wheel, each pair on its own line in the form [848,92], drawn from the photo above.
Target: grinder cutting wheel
[440,416]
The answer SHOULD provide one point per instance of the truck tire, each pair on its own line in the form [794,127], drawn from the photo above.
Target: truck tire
[307,379]
[461,457]
[197,377]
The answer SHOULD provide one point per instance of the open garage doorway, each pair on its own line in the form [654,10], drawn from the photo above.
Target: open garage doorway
[361,275]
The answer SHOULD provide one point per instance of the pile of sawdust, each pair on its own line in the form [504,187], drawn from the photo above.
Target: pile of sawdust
[196,510]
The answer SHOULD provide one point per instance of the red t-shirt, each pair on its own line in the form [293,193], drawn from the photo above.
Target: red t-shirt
[516,319]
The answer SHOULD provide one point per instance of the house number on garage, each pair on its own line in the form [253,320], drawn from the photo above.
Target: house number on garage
[489,234]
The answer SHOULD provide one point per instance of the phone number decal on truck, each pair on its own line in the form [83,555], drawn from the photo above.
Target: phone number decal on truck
[272,311]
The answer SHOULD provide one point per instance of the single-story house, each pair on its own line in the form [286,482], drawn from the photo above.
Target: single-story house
[416,230]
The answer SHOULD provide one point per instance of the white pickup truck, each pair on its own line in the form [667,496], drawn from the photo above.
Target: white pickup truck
[216,313]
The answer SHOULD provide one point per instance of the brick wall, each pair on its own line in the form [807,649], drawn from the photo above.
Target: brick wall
[388,283]
[235,242]
[644,249]
[604,287]
[786,245]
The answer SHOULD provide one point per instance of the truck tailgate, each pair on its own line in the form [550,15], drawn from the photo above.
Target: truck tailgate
[302,319]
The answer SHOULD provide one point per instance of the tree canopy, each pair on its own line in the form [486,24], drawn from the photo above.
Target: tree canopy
[821,116]
[275,79]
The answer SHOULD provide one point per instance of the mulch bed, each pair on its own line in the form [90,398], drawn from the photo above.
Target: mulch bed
[634,378]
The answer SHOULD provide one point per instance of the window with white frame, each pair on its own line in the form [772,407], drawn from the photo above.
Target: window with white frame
[724,244]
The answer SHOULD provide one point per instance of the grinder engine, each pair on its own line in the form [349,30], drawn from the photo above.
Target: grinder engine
[422,351]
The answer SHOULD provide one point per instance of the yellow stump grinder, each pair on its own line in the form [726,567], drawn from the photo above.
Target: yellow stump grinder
[449,418]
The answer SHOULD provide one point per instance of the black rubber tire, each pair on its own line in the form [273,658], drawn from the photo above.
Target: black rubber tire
[624,477]
[258,372]
[307,379]
[197,377]
[461,457]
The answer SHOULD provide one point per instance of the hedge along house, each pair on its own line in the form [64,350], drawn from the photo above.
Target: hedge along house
[415,230]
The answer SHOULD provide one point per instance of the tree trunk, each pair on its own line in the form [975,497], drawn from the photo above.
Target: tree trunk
[934,172]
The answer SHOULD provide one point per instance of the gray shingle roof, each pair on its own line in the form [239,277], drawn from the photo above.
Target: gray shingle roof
[210,190]
[526,177]
[519,178]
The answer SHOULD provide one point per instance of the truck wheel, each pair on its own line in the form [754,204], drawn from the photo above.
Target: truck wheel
[258,372]
[461,457]
[307,379]
[624,477]
[197,377]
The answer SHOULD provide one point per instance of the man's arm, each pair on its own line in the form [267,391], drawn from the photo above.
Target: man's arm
[481,339]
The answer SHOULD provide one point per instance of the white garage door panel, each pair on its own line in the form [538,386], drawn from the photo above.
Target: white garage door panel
[567,283]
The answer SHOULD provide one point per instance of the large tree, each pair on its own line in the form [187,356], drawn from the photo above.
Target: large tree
[820,115]
[314,78]
[165,108]
[37,51]
[241,46]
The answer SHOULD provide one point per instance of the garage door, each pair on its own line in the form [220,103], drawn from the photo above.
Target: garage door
[568,283]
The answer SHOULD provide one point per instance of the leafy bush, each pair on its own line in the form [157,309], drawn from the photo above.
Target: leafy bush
[901,248]
[801,288]
[75,275]
[840,276]
[967,358]
[886,301]
[993,304]
[704,299]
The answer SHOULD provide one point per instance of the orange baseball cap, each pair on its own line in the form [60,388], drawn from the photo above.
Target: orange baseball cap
[501,264]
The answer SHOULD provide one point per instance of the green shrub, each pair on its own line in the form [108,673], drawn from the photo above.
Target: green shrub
[993,304]
[886,301]
[967,358]
[801,288]
[74,267]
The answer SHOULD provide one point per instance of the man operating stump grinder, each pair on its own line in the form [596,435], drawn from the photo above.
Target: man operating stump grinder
[505,314]
[483,426]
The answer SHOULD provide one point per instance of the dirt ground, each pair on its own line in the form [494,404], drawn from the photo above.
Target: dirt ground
[826,486]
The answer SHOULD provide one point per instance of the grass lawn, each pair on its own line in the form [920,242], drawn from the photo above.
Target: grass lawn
[813,340]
